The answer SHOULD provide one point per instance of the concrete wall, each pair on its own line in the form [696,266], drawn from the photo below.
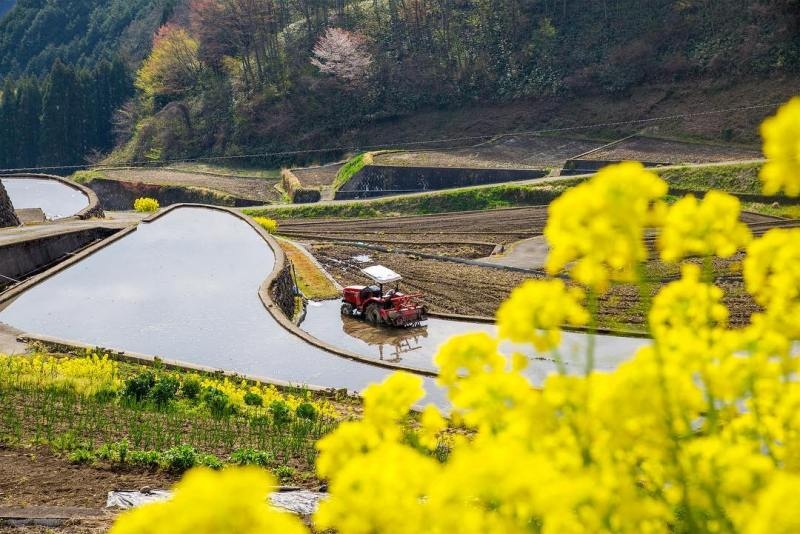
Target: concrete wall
[574,167]
[19,260]
[118,195]
[381,180]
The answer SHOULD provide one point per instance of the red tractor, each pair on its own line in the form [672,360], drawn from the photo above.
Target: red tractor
[391,308]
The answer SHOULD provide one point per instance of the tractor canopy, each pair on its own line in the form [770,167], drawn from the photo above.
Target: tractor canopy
[382,275]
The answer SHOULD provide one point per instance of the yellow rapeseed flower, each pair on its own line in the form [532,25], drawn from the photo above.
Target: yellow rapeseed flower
[598,226]
[536,310]
[233,500]
[705,228]
[781,134]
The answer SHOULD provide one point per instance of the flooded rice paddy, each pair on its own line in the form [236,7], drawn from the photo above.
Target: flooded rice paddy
[185,287]
[54,198]
[416,347]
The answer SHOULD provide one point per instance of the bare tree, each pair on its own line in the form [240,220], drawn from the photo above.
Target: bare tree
[342,54]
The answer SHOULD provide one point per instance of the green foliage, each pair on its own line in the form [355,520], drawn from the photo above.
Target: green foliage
[145,459]
[190,388]
[251,457]
[210,461]
[164,390]
[351,168]
[476,198]
[116,452]
[280,411]
[81,457]
[84,177]
[306,411]
[146,205]
[730,178]
[138,387]
[284,472]
[254,399]
[179,459]
[217,402]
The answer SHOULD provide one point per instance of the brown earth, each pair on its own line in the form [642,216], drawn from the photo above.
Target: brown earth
[317,176]
[672,151]
[259,189]
[478,291]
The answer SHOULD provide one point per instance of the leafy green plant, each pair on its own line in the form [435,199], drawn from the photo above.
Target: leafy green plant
[253,399]
[138,387]
[191,388]
[217,402]
[306,411]
[280,411]
[284,472]
[210,461]
[147,459]
[180,458]
[164,390]
[81,457]
[251,457]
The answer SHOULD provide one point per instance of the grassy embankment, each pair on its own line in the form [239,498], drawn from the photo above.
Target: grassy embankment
[94,410]
[311,280]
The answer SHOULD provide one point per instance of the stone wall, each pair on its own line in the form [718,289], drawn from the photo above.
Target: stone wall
[7,215]
[22,259]
[282,291]
[118,195]
[381,180]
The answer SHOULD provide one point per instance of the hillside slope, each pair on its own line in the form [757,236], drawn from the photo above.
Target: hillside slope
[34,33]
[5,6]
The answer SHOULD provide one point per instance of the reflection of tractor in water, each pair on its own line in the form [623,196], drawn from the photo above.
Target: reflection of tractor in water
[391,308]
[392,344]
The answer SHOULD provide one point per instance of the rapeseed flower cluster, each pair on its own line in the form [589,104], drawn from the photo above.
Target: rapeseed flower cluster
[87,375]
[703,228]
[237,389]
[698,432]
[597,227]
[781,135]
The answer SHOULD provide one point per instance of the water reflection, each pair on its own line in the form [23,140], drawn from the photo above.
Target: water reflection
[185,287]
[55,199]
[416,347]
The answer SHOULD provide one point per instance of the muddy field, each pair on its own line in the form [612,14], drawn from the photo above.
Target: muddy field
[671,151]
[477,290]
[541,152]
[317,176]
[258,189]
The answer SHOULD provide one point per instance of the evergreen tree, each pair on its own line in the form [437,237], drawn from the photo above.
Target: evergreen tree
[62,139]
[29,110]
[7,126]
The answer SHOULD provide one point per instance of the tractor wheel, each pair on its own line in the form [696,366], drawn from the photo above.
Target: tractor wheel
[347,309]
[373,315]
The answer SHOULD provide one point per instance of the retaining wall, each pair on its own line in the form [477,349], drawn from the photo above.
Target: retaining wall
[282,291]
[119,195]
[575,167]
[19,260]
[381,180]
[294,188]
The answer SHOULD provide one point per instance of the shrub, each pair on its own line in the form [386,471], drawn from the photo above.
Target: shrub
[217,402]
[210,461]
[306,410]
[179,459]
[191,387]
[81,457]
[147,459]
[270,225]
[116,452]
[146,205]
[253,399]
[280,411]
[164,390]
[251,457]
[284,472]
[138,387]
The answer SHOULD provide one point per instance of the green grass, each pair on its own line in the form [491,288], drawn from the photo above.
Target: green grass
[351,168]
[224,170]
[730,178]
[482,198]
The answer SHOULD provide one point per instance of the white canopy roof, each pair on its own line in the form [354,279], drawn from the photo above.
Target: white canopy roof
[381,274]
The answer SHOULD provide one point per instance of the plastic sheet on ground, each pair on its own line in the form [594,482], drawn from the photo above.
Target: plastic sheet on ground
[301,502]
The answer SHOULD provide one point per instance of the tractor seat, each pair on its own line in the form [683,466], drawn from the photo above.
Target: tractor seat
[371,291]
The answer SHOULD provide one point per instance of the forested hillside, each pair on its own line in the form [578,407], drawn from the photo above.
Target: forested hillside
[276,75]
[5,6]
[78,32]
[236,76]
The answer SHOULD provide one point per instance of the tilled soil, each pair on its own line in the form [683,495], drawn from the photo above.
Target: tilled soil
[37,477]
[321,176]
[500,226]
[672,151]
[260,189]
